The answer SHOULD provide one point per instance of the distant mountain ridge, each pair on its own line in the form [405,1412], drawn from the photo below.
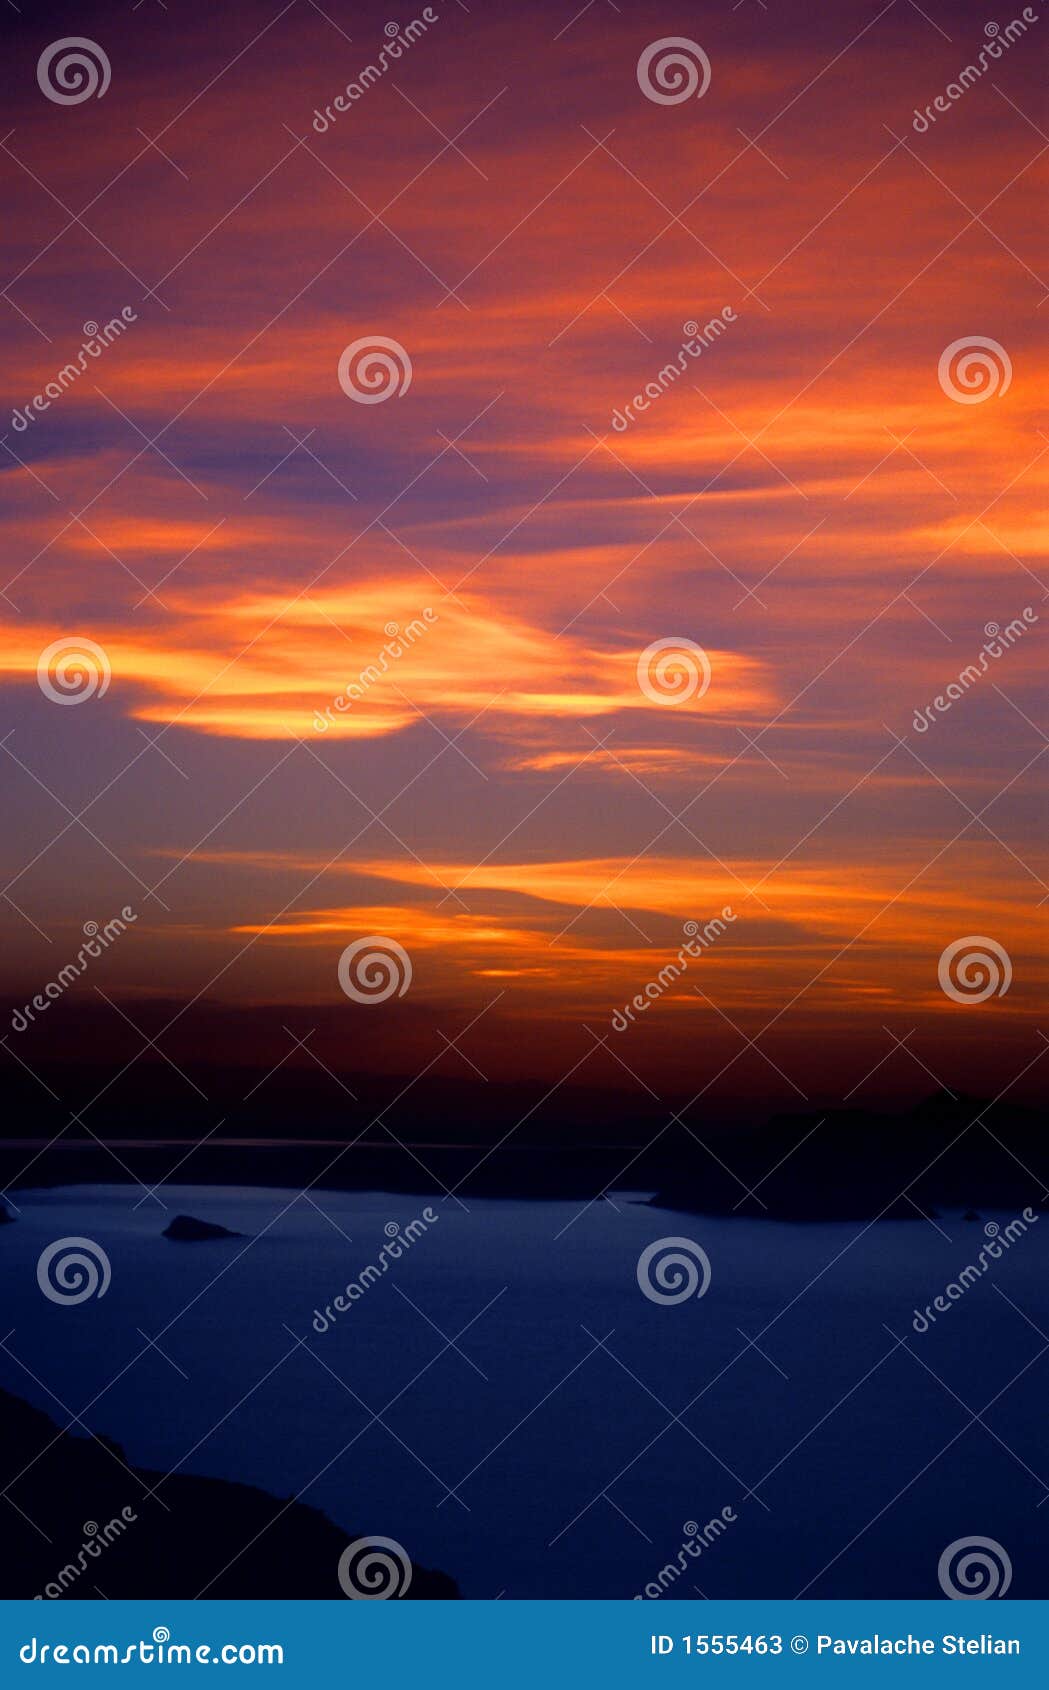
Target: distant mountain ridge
[948,1152]
[839,1164]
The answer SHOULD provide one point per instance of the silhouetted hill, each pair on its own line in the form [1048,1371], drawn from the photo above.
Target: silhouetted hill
[116,1540]
[302,1125]
[947,1152]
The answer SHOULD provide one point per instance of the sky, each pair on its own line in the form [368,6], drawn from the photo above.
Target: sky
[369,663]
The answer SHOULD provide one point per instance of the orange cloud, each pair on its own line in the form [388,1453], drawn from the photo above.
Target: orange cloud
[366,661]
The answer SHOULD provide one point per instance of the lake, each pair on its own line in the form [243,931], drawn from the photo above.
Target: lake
[506,1402]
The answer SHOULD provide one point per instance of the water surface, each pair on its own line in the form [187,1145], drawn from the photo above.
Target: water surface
[506,1403]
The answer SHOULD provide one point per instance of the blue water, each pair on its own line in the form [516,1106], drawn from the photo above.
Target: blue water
[528,1458]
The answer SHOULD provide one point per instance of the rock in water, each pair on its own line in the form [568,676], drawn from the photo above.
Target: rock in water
[186,1229]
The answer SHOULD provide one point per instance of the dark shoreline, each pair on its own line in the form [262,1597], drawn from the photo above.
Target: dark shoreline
[158,1536]
[947,1153]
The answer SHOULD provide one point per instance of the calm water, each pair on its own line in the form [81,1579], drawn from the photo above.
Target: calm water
[849,1463]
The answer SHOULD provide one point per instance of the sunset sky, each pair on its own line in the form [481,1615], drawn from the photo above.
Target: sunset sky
[806,502]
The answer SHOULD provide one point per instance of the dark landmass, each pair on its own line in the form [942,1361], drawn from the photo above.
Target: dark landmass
[303,1125]
[120,1099]
[186,1229]
[81,1492]
[948,1153]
